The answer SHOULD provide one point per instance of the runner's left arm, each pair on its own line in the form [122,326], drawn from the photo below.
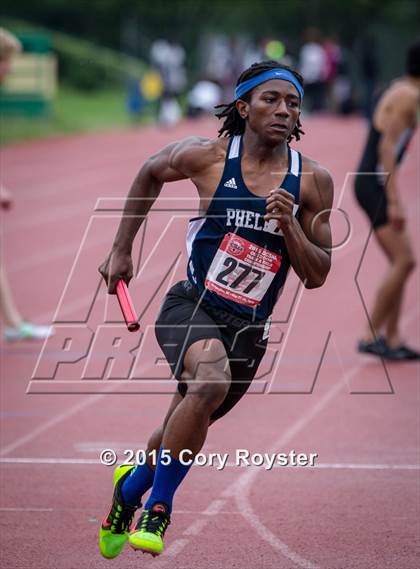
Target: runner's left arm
[177,161]
[308,240]
[144,190]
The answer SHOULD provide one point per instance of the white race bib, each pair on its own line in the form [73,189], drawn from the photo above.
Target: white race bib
[242,271]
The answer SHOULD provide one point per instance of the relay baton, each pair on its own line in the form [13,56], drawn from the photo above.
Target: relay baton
[127,307]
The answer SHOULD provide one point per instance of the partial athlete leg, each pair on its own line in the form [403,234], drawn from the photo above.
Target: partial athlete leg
[14,326]
[387,306]
[392,332]
[141,478]
[155,440]
[8,307]
[206,370]
[201,356]
[130,483]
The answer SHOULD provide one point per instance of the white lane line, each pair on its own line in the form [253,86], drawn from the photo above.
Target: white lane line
[193,529]
[245,479]
[356,466]
[213,509]
[241,488]
[52,254]
[175,512]
[214,505]
[52,216]
[51,423]
[98,446]
[331,466]
[83,301]
[26,509]
[176,547]
[84,182]
[55,461]
[276,543]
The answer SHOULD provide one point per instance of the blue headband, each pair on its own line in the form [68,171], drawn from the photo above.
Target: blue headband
[282,74]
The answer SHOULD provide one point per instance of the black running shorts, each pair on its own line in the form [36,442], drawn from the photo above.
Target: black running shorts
[371,195]
[182,321]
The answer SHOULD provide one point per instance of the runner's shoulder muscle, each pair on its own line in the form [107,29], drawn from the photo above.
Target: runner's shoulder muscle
[397,108]
[177,160]
[195,155]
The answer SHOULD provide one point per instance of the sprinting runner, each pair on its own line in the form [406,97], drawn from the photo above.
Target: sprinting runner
[263,207]
[378,192]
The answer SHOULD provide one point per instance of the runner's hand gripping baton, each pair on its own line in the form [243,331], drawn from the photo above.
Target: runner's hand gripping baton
[127,307]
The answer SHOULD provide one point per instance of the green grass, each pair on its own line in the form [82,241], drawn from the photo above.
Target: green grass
[72,112]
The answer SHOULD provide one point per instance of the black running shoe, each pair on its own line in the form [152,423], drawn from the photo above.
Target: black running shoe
[150,529]
[402,353]
[377,347]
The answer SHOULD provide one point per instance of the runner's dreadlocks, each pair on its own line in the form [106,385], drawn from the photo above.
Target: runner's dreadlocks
[234,123]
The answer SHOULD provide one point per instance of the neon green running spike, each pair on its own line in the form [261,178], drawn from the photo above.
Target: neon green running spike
[150,529]
[113,533]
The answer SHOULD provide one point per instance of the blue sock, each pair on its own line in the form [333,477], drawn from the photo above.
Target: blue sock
[167,479]
[136,484]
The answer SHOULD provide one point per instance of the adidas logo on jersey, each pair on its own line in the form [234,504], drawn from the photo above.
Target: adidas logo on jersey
[231,184]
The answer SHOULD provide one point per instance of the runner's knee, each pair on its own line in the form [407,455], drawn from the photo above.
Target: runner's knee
[407,263]
[209,389]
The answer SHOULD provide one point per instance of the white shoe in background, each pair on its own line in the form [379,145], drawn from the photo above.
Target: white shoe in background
[27,331]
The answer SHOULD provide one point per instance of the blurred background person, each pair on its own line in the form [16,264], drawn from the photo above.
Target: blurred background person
[203,97]
[135,99]
[369,69]
[333,58]
[169,58]
[252,52]
[15,327]
[378,193]
[342,89]
[313,65]
[221,63]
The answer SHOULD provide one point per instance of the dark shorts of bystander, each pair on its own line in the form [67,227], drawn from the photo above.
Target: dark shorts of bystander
[371,195]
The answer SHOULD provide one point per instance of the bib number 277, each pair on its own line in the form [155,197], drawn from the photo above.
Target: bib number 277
[242,271]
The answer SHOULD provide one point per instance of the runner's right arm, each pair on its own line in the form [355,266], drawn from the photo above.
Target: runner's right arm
[170,164]
[401,117]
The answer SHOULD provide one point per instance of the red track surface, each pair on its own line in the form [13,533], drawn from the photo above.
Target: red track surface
[358,509]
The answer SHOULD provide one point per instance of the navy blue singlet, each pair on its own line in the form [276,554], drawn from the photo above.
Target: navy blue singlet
[237,261]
